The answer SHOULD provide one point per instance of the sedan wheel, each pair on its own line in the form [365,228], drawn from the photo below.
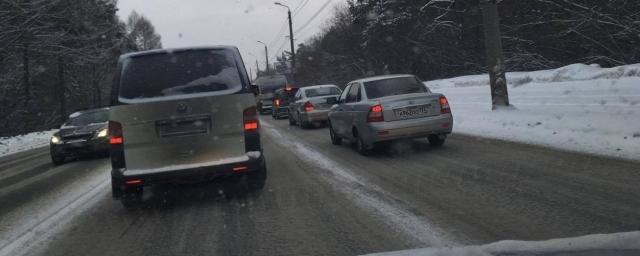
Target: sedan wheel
[436,140]
[57,159]
[361,147]
[335,140]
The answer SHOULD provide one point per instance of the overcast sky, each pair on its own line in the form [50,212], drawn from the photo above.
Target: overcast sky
[232,22]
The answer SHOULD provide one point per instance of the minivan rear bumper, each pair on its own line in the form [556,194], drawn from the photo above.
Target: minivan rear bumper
[254,161]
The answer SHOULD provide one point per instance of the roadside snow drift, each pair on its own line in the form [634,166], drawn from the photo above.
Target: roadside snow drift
[10,145]
[579,107]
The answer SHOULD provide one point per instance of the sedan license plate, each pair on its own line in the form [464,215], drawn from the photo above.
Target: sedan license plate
[410,112]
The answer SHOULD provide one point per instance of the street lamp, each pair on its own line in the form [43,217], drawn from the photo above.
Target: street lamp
[266,55]
[293,52]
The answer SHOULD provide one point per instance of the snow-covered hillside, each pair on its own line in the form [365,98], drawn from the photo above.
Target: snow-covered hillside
[578,107]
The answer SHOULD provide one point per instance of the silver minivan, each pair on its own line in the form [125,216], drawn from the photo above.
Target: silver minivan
[385,108]
[182,115]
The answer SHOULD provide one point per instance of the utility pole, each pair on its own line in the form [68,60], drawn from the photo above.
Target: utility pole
[495,59]
[293,52]
[257,68]
[266,55]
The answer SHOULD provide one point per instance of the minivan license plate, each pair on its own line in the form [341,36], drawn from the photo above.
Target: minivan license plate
[410,112]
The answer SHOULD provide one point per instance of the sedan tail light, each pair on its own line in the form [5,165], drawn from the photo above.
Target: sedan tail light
[115,133]
[308,107]
[250,119]
[277,102]
[375,114]
[444,105]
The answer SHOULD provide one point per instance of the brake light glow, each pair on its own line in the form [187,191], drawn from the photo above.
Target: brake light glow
[308,107]
[115,133]
[277,102]
[250,119]
[375,114]
[240,168]
[133,182]
[444,105]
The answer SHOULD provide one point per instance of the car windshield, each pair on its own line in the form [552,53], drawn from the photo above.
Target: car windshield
[322,91]
[393,86]
[83,119]
[179,73]
[320,127]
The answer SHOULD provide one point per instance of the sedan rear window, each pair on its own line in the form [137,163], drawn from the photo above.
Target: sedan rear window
[171,75]
[322,91]
[393,86]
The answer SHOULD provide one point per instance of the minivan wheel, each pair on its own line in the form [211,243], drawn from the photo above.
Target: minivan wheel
[131,197]
[436,140]
[335,140]
[57,159]
[257,179]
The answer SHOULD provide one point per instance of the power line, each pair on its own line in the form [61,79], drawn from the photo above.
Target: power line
[314,16]
[298,10]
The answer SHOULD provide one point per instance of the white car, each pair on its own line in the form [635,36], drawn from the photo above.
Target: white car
[385,108]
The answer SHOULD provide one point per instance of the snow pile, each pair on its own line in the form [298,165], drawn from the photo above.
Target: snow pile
[10,145]
[578,107]
[597,244]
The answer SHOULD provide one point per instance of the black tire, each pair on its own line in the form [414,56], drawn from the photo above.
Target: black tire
[291,121]
[131,197]
[303,124]
[257,179]
[57,159]
[436,140]
[360,146]
[335,139]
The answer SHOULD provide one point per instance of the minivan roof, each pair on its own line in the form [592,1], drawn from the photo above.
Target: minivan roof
[171,50]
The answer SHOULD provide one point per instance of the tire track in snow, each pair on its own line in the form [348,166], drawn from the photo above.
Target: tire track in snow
[367,195]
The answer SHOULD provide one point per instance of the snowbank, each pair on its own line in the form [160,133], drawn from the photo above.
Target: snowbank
[597,244]
[10,145]
[579,107]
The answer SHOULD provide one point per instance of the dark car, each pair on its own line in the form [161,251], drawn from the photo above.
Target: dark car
[183,115]
[267,85]
[281,100]
[83,134]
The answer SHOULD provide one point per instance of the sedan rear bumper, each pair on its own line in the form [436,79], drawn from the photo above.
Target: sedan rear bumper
[406,129]
[250,162]
[315,116]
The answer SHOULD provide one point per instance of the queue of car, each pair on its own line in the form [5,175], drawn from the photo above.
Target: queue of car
[191,114]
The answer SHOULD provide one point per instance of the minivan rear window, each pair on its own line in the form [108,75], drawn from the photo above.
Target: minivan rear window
[393,86]
[178,75]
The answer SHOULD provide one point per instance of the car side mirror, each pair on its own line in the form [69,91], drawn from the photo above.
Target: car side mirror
[332,100]
[254,89]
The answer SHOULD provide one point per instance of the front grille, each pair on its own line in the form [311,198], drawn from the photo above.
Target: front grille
[71,137]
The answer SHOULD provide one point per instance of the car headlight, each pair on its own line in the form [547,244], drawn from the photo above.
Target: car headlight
[102,133]
[55,139]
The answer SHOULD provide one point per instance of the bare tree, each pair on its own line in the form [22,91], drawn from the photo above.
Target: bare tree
[142,33]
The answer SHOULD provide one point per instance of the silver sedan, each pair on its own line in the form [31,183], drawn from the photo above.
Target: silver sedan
[310,105]
[385,108]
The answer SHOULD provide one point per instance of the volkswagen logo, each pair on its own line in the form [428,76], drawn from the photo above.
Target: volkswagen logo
[182,107]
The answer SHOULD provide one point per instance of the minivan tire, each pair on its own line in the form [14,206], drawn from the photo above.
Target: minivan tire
[257,179]
[131,198]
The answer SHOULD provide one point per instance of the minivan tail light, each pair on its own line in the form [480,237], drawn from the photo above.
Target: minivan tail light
[308,107]
[444,105]
[375,114]
[115,133]
[250,119]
